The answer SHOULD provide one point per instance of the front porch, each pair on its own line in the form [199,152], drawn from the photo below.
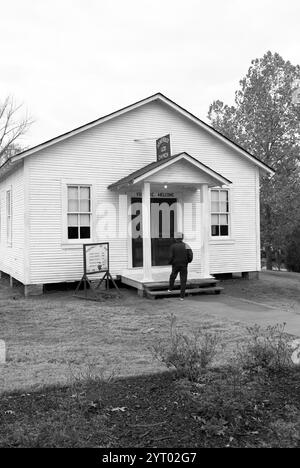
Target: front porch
[159,284]
[154,215]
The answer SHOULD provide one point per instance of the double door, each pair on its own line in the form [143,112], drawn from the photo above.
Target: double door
[163,220]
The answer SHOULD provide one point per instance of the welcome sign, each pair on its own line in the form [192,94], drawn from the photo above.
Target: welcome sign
[96,258]
[163,147]
[157,194]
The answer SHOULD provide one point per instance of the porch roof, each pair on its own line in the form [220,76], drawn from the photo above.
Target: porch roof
[156,166]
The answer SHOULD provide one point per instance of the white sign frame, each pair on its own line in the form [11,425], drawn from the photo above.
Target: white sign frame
[96,258]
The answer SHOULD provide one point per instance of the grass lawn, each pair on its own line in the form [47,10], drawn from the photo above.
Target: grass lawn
[61,352]
[277,288]
[53,338]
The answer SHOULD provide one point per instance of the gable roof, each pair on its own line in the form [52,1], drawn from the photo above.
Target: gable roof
[154,167]
[154,97]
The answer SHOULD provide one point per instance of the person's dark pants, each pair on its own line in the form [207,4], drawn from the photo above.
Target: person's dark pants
[182,269]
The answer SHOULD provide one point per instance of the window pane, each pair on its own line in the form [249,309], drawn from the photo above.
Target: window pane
[73,199]
[85,233]
[84,220]
[214,195]
[73,193]
[215,219]
[224,220]
[73,233]
[85,193]
[223,195]
[8,202]
[73,206]
[215,230]
[223,207]
[215,207]
[224,230]
[72,220]
[85,206]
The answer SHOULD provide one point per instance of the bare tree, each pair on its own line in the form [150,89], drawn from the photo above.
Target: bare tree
[12,127]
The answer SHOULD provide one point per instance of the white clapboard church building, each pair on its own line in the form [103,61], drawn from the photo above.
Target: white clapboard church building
[131,178]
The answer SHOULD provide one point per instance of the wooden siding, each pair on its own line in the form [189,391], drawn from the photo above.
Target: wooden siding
[173,173]
[12,257]
[109,152]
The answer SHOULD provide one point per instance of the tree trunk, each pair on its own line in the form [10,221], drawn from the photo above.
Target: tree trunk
[269,250]
[269,257]
[278,259]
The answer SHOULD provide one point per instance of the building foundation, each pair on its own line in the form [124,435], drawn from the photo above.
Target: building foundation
[33,290]
[250,275]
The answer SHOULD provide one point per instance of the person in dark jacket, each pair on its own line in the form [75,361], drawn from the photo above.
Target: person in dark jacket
[180,256]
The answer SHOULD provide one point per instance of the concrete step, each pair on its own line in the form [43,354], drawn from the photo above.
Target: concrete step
[176,292]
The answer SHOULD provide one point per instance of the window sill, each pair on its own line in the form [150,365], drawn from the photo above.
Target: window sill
[221,241]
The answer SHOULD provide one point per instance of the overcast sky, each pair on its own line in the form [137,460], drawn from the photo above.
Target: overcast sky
[72,61]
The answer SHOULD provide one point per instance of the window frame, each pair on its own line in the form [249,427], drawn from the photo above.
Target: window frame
[1,215]
[9,215]
[66,183]
[229,214]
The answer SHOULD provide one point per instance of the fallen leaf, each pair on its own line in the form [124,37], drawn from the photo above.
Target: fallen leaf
[148,331]
[123,409]
[93,405]
[198,418]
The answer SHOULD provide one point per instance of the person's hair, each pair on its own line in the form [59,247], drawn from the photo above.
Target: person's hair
[178,236]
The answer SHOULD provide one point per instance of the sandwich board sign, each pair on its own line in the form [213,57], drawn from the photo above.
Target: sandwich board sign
[96,258]
[95,262]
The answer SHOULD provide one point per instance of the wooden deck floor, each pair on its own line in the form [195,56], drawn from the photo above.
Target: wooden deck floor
[159,285]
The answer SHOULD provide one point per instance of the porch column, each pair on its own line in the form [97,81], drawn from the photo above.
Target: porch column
[205,228]
[146,219]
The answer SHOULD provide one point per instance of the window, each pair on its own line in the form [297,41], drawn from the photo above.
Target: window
[9,217]
[79,212]
[219,213]
[0,217]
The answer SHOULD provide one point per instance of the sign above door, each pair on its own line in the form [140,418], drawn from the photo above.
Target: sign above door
[163,147]
[156,194]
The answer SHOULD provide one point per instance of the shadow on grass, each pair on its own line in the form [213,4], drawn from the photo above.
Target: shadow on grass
[225,408]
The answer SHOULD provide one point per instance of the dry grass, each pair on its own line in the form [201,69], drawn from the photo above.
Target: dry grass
[52,338]
[66,343]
